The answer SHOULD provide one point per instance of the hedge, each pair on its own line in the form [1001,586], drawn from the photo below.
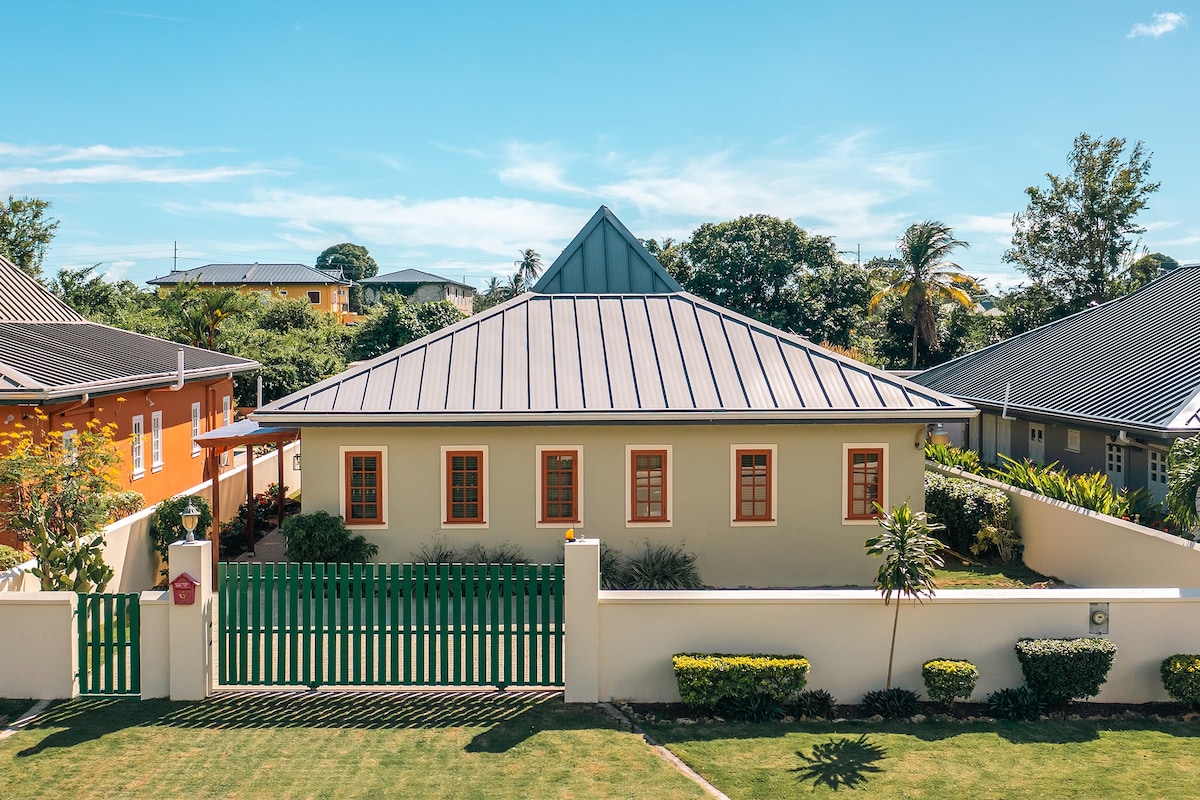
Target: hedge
[705,679]
[1059,670]
[947,679]
[964,507]
[1181,677]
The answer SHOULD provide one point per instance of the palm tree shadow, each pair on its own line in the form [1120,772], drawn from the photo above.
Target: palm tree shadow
[841,762]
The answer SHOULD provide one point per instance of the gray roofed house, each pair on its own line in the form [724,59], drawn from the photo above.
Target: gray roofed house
[418,286]
[1108,388]
[327,290]
[658,409]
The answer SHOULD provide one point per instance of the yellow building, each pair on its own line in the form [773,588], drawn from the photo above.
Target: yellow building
[327,290]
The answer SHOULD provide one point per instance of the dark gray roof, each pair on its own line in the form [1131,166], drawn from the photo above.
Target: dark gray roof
[251,275]
[605,258]
[1133,363]
[23,299]
[412,276]
[630,357]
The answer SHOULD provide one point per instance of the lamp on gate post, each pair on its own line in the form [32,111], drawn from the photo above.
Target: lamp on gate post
[190,517]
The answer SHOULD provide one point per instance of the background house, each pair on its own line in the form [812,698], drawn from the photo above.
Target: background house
[611,401]
[160,394]
[419,287]
[328,291]
[1108,389]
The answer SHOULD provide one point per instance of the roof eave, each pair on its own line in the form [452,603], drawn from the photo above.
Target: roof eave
[1130,426]
[154,381]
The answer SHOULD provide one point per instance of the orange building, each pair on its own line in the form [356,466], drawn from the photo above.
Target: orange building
[159,394]
[328,291]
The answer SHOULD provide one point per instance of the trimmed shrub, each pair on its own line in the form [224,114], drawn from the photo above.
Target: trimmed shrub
[166,524]
[11,557]
[890,703]
[1018,705]
[1060,670]
[966,508]
[321,537]
[815,703]
[663,567]
[947,679]
[706,680]
[1181,677]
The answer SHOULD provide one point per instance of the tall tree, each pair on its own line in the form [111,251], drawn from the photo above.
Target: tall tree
[670,254]
[926,279]
[25,232]
[355,263]
[1074,235]
[529,267]
[394,323]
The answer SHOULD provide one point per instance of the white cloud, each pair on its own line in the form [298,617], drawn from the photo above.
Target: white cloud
[1163,23]
[96,152]
[985,224]
[117,270]
[534,167]
[122,173]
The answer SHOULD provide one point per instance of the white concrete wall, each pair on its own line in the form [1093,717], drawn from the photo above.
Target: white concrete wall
[38,645]
[155,643]
[1084,548]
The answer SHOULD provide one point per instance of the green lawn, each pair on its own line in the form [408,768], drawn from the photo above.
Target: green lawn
[957,574]
[458,746]
[1057,759]
[11,709]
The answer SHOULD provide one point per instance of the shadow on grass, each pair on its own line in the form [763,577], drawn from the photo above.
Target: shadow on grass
[508,718]
[840,762]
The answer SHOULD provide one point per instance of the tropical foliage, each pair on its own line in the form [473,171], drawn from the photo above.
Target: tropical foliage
[1183,481]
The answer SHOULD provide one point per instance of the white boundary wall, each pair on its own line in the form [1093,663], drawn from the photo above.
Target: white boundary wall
[846,634]
[38,644]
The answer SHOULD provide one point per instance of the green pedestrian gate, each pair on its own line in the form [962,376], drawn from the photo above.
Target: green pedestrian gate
[390,624]
[110,632]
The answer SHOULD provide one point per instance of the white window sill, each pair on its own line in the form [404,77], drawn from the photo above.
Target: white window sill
[634,524]
[872,521]
[753,523]
[566,523]
[156,468]
[468,526]
[138,474]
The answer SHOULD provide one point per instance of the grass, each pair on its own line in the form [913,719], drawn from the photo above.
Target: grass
[428,745]
[959,574]
[1057,758]
[11,709]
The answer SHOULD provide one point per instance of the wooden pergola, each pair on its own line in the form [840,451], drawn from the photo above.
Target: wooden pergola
[248,433]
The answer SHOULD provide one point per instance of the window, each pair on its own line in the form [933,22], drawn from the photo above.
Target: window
[226,410]
[283,292]
[864,481]
[464,473]
[135,447]
[649,481]
[753,470]
[1114,459]
[156,443]
[314,297]
[1156,466]
[364,487]
[558,486]
[195,429]
[1072,440]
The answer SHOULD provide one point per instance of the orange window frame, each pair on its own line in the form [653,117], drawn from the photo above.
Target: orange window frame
[740,485]
[465,473]
[546,471]
[865,470]
[634,455]
[375,482]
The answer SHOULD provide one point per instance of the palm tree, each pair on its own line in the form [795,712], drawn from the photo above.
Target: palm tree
[926,279]
[529,267]
[202,314]
[909,555]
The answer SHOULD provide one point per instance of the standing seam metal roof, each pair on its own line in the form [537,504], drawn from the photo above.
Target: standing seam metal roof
[22,299]
[412,276]
[250,275]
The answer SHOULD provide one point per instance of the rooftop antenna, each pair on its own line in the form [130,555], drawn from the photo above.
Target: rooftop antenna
[175,263]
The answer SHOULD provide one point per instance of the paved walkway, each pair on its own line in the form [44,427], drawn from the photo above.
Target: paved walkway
[269,548]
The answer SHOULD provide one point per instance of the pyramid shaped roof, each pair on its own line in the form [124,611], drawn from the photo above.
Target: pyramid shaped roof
[605,258]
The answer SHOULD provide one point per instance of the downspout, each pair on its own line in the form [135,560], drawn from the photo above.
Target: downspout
[83,401]
[175,387]
[1007,394]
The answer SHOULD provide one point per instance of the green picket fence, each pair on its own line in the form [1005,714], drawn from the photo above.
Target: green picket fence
[390,624]
[110,656]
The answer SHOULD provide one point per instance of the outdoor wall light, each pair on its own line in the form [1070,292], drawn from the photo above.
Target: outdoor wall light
[190,517]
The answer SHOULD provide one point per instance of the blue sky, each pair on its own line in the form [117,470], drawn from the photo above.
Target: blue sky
[449,136]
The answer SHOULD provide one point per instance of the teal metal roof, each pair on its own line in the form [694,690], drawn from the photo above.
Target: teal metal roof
[605,258]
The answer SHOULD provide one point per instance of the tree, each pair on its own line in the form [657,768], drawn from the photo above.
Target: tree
[25,232]
[355,263]
[670,254]
[1075,235]
[529,267]
[925,280]
[207,311]
[58,496]
[909,552]
[395,323]
[1145,269]
[1183,481]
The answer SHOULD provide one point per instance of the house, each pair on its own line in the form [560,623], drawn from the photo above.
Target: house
[611,401]
[419,287]
[158,393]
[328,291]
[1107,389]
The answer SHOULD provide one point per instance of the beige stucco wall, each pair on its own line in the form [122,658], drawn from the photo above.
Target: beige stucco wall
[38,650]
[155,643]
[1084,548]
[809,545]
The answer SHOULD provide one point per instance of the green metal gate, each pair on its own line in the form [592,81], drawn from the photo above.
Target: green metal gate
[390,624]
[110,655]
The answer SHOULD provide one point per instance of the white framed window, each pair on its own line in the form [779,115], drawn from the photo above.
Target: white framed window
[314,297]
[196,449]
[1072,440]
[364,489]
[156,442]
[466,487]
[864,482]
[226,410]
[136,447]
[1114,464]
[753,488]
[559,482]
[1037,442]
[649,491]
[1156,467]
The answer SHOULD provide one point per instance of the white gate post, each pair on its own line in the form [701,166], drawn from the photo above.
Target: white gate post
[581,610]
[190,634]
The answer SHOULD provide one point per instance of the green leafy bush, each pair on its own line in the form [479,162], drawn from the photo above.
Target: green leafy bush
[947,679]
[662,567]
[11,557]
[166,524]
[950,456]
[966,508]
[1060,670]
[1018,705]
[613,572]
[707,679]
[1181,677]
[500,553]
[1092,490]
[321,537]
[1183,479]
[755,708]
[815,703]
[437,551]
[890,703]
